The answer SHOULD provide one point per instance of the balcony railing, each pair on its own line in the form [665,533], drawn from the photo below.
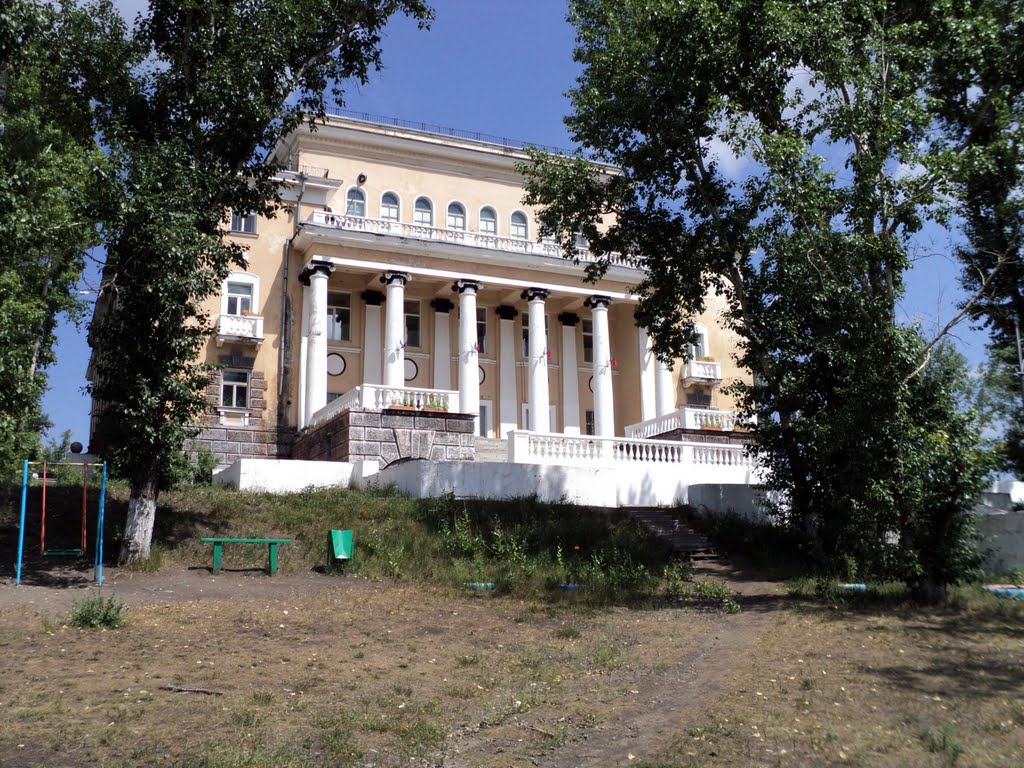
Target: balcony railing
[377,397]
[731,463]
[684,418]
[702,372]
[240,328]
[545,249]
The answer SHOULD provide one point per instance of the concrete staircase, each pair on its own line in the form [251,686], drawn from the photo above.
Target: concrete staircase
[683,540]
[491,450]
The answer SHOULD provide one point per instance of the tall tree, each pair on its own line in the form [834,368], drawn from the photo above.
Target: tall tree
[214,87]
[48,172]
[784,155]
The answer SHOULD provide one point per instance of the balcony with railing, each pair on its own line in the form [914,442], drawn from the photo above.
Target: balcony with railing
[377,397]
[685,418]
[541,248]
[702,372]
[240,328]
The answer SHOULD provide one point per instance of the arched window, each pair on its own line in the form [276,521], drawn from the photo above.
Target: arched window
[488,221]
[389,207]
[423,212]
[355,203]
[456,216]
[519,227]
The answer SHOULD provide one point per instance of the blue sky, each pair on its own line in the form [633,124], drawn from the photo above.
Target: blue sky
[500,68]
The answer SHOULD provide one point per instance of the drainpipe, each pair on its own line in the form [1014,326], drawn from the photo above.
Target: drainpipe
[285,335]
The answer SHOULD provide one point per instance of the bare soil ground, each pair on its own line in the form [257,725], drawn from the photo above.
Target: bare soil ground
[312,670]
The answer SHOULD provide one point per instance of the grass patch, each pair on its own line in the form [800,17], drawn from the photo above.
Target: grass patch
[567,632]
[944,742]
[96,613]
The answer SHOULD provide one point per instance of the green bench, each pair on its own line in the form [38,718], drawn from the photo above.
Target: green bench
[218,544]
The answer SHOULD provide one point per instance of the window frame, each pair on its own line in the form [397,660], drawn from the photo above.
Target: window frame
[702,348]
[348,202]
[418,314]
[448,216]
[481,319]
[332,324]
[512,226]
[480,220]
[240,277]
[588,349]
[235,385]
[397,206]
[416,211]
[246,223]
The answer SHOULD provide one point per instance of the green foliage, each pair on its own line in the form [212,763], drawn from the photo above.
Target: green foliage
[758,163]
[96,613]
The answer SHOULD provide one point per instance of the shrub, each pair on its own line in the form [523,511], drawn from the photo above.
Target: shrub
[94,612]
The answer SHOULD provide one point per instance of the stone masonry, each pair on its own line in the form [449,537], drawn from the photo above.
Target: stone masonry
[389,436]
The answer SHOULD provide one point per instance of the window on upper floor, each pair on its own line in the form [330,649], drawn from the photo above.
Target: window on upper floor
[239,297]
[488,221]
[412,322]
[518,226]
[588,423]
[481,330]
[243,222]
[423,213]
[588,340]
[355,203]
[700,348]
[339,316]
[389,207]
[456,216]
[234,389]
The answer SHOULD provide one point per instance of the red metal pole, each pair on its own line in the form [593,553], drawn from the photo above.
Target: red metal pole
[42,519]
[85,490]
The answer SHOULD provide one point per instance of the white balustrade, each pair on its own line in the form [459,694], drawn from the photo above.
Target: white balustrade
[378,397]
[702,371]
[458,236]
[241,327]
[685,418]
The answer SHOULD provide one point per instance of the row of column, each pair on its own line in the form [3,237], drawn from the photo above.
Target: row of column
[313,354]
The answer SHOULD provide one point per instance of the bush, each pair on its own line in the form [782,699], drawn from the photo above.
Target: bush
[94,612]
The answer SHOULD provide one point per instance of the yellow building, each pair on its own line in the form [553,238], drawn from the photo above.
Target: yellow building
[407,275]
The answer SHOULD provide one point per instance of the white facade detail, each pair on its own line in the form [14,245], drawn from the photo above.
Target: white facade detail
[394,329]
[539,400]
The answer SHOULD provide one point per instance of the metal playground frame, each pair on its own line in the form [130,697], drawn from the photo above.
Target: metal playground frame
[98,545]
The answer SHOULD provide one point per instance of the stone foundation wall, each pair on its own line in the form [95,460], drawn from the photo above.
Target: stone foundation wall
[389,436]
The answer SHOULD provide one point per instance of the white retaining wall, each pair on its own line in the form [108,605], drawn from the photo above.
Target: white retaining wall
[284,475]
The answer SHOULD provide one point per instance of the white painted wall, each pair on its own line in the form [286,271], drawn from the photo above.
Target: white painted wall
[1003,534]
[283,475]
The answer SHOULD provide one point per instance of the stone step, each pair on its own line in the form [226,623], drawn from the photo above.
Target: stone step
[683,540]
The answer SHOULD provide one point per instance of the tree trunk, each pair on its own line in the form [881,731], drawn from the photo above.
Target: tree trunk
[930,591]
[138,530]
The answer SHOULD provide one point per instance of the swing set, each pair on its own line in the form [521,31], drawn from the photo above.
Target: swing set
[73,551]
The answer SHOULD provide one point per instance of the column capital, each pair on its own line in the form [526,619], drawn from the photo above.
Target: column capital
[373,298]
[505,312]
[460,286]
[533,294]
[392,278]
[442,305]
[569,318]
[598,301]
[313,268]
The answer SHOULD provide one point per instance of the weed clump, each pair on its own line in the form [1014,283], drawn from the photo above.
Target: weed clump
[95,613]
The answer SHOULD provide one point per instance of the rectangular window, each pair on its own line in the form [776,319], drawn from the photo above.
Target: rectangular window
[488,226]
[700,349]
[243,222]
[239,298]
[481,329]
[339,316]
[588,341]
[234,389]
[389,209]
[412,322]
[589,425]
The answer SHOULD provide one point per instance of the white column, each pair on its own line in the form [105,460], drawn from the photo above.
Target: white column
[316,273]
[540,417]
[648,406]
[664,387]
[570,375]
[303,351]
[442,343]
[394,329]
[373,347]
[508,411]
[469,373]
[604,408]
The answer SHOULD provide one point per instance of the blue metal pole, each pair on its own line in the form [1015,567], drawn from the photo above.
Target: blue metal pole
[99,527]
[21,526]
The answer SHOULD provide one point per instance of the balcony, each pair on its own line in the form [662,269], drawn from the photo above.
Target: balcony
[377,397]
[247,329]
[702,372]
[684,418]
[545,249]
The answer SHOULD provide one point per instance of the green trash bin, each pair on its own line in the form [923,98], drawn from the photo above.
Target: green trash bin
[340,549]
